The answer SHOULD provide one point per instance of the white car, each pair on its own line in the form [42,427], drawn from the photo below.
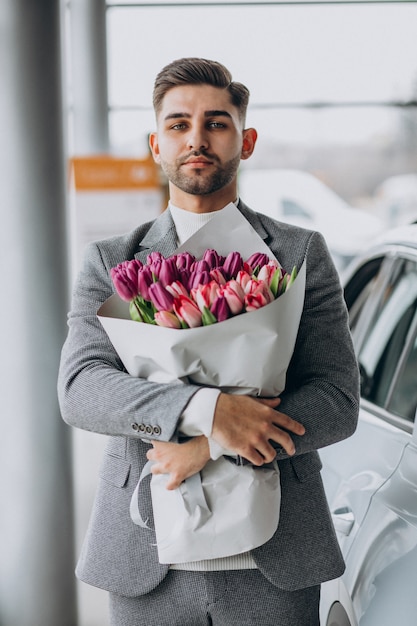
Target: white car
[302,199]
[396,199]
[371,478]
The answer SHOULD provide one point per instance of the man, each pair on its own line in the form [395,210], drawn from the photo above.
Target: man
[200,140]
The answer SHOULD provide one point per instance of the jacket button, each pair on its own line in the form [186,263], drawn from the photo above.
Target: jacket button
[156,430]
[142,428]
[135,427]
[149,430]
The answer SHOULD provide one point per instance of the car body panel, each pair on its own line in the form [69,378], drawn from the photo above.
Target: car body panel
[371,478]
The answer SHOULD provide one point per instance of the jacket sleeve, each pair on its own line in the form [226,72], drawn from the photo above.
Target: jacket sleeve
[94,390]
[322,388]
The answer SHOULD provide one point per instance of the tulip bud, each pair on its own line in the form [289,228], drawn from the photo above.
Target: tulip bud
[177,289]
[257,260]
[125,287]
[184,260]
[254,301]
[234,296]
[144,280]
[160,297]
[233,264]
[220,309]
[198,278]
[168,272]
[217,275]
[243,278]
[200,266]
[213,259]
[187,311]
[205,295]
[167,319]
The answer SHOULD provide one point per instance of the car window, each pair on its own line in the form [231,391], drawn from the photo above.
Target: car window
[386,356]
[403,401]
[359,288]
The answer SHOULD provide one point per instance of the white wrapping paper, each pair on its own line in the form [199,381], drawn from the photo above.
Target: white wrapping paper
[247,354]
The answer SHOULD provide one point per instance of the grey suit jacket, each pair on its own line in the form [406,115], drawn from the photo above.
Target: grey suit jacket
[96,394]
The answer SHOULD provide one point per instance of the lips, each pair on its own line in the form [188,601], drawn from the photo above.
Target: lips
[197,162]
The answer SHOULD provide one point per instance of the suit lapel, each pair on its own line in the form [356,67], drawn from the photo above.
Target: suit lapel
[161,237]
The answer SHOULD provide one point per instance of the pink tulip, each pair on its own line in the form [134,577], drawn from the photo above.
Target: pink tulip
[217,275]
[177,289]
[187,311]
[234,296]
[167,319]
[254,301]
[243,278]
[205,295]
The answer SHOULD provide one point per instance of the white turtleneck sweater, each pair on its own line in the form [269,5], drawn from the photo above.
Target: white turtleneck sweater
[197,418]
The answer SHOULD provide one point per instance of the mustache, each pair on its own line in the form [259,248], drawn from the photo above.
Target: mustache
[198,153]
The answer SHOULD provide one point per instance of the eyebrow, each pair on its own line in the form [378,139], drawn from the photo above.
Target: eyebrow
[214,113]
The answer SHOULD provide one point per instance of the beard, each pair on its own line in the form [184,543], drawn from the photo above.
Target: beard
[199,183]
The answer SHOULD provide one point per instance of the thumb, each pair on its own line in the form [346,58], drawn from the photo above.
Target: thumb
[271,402]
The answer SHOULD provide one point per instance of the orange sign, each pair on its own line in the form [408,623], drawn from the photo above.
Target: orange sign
[106,172]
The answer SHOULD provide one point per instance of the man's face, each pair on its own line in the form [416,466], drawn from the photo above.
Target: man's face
[200,140]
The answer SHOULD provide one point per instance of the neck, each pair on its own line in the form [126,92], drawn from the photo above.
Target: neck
[203,204]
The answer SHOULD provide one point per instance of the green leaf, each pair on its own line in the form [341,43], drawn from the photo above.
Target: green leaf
[207,317]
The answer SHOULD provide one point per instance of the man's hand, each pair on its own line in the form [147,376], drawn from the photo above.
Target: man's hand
[179,460]
[247,425]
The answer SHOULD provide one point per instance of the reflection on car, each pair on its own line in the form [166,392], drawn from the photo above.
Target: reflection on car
[300,198]
[371,478]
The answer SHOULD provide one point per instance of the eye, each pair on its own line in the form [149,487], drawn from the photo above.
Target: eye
[178,126]
[215,124]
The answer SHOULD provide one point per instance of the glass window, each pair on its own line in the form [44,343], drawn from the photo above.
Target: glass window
[404,397]
[381,353]
[358,290]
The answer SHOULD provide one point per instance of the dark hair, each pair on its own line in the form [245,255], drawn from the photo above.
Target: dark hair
[194,71]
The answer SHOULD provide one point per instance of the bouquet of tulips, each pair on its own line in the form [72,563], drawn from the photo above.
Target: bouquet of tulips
[208,292]
[183,292]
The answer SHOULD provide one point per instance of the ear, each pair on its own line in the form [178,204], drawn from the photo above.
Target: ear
[154,146]
[249,140]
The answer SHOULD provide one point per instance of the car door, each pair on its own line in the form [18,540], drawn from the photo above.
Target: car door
[363,473]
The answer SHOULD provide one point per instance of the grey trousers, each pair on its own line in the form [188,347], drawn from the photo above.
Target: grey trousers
[225,598]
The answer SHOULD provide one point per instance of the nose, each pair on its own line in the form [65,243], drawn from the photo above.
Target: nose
[197,139]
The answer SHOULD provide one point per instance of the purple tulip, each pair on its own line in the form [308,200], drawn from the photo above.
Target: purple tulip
[160,297]
[257,260]
[184,260]
[233,264]
[168,272]
[154,257]
[125,287]
[220,309]
[200,266]
[213,258]
[198,278]
[144,281]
